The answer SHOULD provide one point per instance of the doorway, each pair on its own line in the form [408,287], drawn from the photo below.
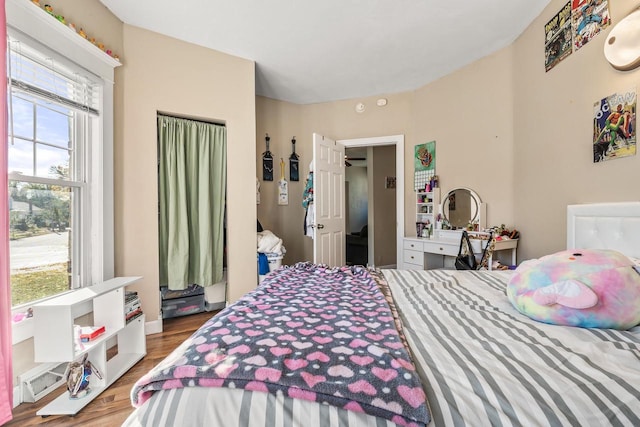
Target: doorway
[380,185]
[357,195]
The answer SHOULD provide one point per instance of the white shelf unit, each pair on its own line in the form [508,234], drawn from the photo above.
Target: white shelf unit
[427,204]
[54,339]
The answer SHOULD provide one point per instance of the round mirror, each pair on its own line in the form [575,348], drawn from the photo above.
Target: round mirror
[460,206]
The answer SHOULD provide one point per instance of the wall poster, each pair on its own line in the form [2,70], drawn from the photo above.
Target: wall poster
[424,164]
[558,40]
[572,27]
[614,126]
[589,18]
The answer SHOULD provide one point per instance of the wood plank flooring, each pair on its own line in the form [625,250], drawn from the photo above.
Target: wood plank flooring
[113,405]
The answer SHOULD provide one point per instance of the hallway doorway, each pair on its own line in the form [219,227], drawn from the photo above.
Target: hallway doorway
[374,194]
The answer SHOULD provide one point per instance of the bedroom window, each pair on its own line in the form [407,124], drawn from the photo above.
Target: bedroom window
[53,130]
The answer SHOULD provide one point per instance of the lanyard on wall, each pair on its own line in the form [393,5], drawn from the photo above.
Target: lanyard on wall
[294,174]
[267,162]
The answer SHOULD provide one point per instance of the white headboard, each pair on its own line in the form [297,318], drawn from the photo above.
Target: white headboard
[605,226]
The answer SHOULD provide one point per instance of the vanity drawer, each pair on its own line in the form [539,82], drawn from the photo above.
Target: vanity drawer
[413,245]
[442,248]
[407,266]
[413,257]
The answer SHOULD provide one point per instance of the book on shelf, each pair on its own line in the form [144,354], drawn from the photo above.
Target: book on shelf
[89,333]
[130,296]
[134,316]
[132,306]
[133,312]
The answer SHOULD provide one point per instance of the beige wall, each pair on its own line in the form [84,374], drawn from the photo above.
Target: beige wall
[95,19]
[517,135]
[553,158]
[167,75]
[384,206]
[469,114]
[281,120]
[337,120]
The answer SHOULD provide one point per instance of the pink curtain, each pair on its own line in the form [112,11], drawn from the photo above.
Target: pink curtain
[6,368]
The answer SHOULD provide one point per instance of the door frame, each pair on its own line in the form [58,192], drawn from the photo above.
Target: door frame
[398,141]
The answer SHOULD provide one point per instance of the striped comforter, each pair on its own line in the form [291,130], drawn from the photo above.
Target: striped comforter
[483,363]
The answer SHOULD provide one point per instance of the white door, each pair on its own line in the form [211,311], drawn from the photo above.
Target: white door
[328,171]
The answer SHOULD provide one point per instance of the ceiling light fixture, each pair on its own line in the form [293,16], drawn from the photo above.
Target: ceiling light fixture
[622,47]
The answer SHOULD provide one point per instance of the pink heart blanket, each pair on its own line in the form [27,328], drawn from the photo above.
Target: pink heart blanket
[316,333]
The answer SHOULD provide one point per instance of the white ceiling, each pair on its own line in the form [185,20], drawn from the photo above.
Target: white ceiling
[309,51]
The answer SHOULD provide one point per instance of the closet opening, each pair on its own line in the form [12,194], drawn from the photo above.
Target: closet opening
[192,185]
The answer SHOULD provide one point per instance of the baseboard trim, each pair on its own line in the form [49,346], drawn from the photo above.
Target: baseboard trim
[17,396]
[153,327]
[388,267]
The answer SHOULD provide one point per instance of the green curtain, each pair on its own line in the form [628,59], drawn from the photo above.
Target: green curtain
[192,174]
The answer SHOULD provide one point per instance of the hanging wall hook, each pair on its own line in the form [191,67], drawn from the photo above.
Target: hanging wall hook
[267,162]
[293,162]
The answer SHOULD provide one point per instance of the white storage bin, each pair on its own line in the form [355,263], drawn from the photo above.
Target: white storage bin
[275,262]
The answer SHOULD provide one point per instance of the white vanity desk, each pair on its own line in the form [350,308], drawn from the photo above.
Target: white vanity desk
[460,206]
[424,254]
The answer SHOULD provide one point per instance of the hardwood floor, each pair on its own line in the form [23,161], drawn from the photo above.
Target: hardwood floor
[113,406]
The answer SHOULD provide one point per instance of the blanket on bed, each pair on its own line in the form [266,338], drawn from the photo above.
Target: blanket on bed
[309,332]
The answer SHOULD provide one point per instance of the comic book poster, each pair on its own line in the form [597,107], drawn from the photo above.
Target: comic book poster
[614,126]
[558,39]
[589,18]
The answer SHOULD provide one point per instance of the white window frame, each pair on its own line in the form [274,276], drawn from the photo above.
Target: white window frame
[81,186]
[24,17]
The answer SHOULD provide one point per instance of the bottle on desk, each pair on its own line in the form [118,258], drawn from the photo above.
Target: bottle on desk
[427,231]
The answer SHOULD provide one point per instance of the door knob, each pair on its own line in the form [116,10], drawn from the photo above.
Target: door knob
[320,226]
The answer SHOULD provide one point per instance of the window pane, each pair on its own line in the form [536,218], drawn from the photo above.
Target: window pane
[40,246]
[53,127]
[22,111]
[52,162]
[21,156]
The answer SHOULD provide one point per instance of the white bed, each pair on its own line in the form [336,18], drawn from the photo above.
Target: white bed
[480,361]
[605,226]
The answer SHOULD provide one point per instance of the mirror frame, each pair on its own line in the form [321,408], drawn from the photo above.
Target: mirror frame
[477,214]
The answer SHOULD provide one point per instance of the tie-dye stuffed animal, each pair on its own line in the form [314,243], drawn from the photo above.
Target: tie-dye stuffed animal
[589,288]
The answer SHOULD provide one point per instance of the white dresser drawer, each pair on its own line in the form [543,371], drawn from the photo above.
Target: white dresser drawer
[443,248]
[413,245]
[413,257]
[407,266]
